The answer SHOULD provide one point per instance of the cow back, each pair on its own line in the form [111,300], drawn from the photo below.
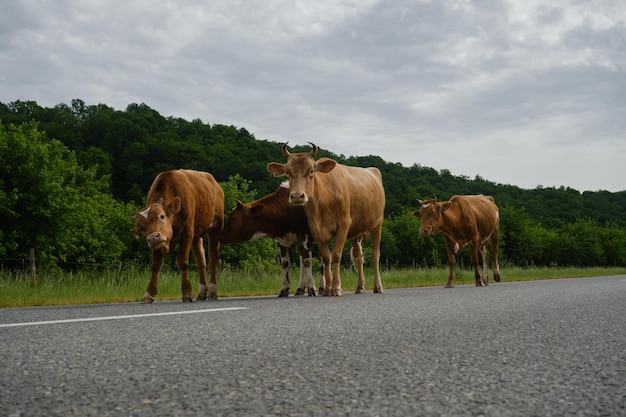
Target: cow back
[202,199]
[473,214]
[353,192]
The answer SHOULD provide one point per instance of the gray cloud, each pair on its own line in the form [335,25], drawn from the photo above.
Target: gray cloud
[524,93]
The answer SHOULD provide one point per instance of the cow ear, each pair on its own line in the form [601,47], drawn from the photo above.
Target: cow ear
[175,205]
[416,213]
[276,169]
[325,165]
[256,209]
[135,233]
[446,205]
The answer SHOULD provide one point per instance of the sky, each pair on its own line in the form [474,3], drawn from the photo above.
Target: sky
[521,92]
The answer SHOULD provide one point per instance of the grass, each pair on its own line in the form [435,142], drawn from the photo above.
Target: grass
[63,288]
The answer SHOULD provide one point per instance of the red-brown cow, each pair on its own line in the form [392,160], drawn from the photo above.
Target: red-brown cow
[341,203]
[464,220]
[182,207]
[272,216]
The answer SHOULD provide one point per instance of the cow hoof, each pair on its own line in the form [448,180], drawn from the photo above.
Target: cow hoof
[378,290]
[359,291]
[284,293]
[299,291]
[147,299]
[187,299]
[312,292]
[338,292]
[212,293]
[449,286]
[328,292]
[320,291]
[496,277]
[203,292]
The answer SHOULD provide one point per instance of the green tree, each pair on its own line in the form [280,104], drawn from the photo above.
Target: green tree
[54,205]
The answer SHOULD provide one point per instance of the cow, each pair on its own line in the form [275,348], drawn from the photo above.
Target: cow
[182,207]
[464,220]
[341,203]
[272,216]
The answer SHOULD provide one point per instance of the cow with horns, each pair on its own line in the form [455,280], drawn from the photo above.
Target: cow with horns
[341,203]
[464,220]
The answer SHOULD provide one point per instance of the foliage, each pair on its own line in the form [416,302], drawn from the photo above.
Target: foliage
[51,203]
[71,178]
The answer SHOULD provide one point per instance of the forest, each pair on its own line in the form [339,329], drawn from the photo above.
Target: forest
[72,176]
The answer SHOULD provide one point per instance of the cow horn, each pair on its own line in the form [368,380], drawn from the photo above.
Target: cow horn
[419,202]
[286,153]
[314,150]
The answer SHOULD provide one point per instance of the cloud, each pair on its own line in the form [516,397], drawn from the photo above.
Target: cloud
[479,88]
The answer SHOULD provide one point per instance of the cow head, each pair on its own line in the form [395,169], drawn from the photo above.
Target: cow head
[430,212]
[154,222]
[242,223]
[300,170]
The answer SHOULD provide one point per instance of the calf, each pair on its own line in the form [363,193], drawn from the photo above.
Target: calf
[464,220]
[182,207]
[272,216]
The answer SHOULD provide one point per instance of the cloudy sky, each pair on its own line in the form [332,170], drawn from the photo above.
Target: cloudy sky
[523,92]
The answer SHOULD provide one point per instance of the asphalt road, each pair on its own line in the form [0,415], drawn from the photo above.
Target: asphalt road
[546,348]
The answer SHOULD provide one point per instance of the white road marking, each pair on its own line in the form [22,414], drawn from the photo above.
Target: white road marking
[132,316]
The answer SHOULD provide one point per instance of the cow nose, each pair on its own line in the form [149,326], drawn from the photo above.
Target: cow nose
[153,238]
[297,197]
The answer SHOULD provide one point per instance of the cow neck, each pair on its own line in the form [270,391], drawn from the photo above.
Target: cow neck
[448,219]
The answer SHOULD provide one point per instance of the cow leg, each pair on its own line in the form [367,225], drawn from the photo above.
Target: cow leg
[306,271]
[199,255]
[285,262]
[325,254]
[376,238]
[494,253]
[474,261]
[356,253]
[322,278]
[156,263]
[450,245]
[483,255]
[340,242]
[182,260]
[214,257]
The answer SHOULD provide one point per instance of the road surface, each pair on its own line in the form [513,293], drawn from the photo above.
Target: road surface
[544,348]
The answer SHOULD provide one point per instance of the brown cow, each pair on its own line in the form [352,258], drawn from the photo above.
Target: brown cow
[464,220]
[341,203]
[272,216]
[182,207]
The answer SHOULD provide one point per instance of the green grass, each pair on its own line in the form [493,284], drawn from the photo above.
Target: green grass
[62,288]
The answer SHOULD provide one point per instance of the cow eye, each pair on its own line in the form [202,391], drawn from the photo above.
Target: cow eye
[162,216]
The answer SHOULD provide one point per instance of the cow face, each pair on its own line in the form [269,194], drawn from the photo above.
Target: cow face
[242,224]
[430,212]
[154,222]
[300,170]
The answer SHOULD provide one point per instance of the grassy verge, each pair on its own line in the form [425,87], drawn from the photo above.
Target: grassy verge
[58,288]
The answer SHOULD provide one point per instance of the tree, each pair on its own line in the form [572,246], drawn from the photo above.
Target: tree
[51,203]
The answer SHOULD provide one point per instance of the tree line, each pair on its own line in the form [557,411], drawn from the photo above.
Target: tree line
[72,176]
